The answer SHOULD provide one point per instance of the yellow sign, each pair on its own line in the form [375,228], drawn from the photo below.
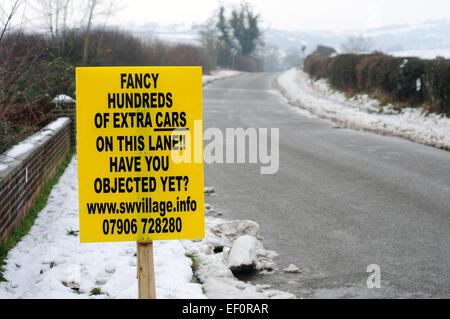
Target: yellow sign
[140,153]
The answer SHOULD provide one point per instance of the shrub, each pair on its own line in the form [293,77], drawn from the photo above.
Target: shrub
[437,85]
[396,77]
[317,66]
[404,80]
[410,81]
[30,75]
[188,55]
[365,70]
[343,71]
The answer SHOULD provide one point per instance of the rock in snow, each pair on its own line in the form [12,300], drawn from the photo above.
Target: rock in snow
[242,256]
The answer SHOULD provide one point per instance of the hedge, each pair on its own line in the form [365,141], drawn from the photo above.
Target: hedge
[407,81]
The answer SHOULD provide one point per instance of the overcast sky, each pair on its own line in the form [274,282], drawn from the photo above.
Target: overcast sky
[337,15]
[293,14]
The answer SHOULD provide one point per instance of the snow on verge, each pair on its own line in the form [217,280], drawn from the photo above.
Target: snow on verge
[362,112]
[217,75]
[50,262]
[214,259]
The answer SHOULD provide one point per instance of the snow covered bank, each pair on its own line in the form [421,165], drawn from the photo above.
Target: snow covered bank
[50,262]
[362,112]
[218,74]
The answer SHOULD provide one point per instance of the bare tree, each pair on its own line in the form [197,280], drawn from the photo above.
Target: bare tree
[57,15]
[61,16]
[92,4]
[357,44]
[6,17]
[95,10]
[110,8]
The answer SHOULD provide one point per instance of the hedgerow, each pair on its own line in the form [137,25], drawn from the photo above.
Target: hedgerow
[405,81]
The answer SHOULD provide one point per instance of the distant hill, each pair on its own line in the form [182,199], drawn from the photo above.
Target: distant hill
[426,40]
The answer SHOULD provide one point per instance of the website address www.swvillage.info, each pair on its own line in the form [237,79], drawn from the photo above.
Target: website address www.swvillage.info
[145,206]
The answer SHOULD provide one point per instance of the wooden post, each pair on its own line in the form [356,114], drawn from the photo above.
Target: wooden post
[145,270]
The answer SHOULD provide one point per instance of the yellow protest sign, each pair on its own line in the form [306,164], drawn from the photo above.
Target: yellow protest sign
[140,160]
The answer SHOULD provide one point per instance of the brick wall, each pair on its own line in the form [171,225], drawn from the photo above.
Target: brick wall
[26,168]
[68,109]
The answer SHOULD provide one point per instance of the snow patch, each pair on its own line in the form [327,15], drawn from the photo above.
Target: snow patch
[57,124]
[218,280]
[30,142]
[62,98]
[292,269]
[242,255]
[418,85]
[405,61]
[219,74]
[18,150]
[226,245]
[220,233]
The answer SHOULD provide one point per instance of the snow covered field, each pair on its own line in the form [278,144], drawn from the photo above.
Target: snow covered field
[362,112]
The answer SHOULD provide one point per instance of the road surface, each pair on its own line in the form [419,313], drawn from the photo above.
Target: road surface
[341,200]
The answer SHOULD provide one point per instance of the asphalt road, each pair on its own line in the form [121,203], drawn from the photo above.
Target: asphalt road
[341,200]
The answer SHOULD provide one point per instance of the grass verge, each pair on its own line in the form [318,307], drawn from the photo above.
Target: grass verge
[27,221]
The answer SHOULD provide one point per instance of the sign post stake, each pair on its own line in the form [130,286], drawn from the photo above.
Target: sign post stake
[145,270]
